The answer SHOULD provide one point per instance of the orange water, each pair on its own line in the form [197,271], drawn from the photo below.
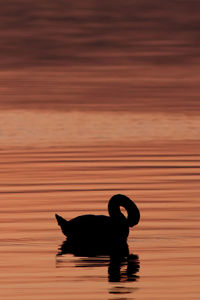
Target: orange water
[98,98]
[163,179]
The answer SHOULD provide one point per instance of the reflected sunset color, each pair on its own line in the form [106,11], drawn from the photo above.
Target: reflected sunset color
[36,129]
[99,98]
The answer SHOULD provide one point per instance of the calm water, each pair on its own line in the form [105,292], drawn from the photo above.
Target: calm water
[73,179]
[99,98]
[114,55]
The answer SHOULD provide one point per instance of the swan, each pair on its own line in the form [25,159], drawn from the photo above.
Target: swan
[97,230]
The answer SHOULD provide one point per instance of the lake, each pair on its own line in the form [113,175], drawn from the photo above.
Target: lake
[71,163]
[99,98]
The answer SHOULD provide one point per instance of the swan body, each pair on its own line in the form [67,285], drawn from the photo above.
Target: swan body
[98,230]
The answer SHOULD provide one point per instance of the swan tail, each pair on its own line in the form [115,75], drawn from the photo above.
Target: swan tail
[63,224]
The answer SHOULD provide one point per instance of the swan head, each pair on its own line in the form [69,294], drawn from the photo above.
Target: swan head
[121,200]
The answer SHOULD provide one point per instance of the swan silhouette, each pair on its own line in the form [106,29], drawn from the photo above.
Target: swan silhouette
[99,233]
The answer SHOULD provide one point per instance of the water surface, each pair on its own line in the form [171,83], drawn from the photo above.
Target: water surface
[99,98]
[163,179]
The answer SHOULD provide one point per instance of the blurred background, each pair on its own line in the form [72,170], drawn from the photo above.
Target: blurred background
[99,97]
[138,55]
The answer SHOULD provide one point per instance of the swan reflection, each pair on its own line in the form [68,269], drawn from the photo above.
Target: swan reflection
[120,267]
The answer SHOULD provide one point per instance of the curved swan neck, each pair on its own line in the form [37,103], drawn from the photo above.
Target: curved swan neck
[120,200]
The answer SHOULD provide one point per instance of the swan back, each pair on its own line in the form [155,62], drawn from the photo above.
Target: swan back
[120,200]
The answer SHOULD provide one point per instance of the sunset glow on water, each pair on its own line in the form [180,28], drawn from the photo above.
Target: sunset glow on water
[96,99]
